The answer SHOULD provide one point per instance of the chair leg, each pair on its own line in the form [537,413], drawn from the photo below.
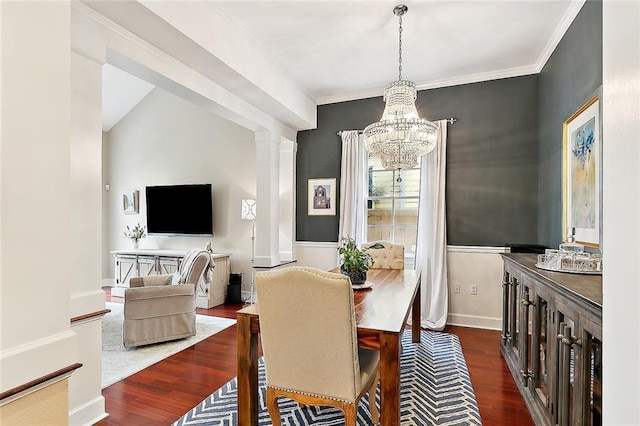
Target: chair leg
[272,406]
[350,414]
[373,408]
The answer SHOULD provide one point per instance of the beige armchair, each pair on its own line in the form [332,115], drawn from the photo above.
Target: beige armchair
[158,308]
[385,254]
[310,348]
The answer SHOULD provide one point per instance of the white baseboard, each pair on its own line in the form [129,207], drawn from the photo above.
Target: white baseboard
[89,413]
[108,282]
[473,321]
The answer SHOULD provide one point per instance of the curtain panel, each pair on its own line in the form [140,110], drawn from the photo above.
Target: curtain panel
[353,187]
[431,251]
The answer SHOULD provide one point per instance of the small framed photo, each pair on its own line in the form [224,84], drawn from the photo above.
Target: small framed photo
[130,202]
[582,174]
[322,197]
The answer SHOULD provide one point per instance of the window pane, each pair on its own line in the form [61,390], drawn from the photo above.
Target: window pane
[406,235]
[375,233]
[380,183]
[406,223]
[410,185]
[380,213]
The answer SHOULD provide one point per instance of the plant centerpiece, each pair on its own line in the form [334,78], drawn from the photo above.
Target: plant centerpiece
[354,261]
[136,234]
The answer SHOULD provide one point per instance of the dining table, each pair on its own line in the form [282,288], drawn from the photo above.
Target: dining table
[382,312]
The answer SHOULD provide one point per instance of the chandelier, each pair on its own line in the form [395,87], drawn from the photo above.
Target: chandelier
[401,136]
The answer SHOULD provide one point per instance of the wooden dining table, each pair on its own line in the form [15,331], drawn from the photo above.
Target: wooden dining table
[382,312]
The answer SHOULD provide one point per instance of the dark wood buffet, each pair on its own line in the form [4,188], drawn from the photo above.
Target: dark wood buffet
[552,340]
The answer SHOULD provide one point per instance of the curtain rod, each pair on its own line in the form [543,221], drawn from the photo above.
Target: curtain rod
[451,120]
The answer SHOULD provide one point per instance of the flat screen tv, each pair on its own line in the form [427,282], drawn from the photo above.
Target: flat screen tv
[180,210]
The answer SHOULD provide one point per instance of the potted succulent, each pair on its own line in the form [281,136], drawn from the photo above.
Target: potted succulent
[354,261]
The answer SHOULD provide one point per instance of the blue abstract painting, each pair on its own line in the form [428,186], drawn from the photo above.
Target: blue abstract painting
[583,175]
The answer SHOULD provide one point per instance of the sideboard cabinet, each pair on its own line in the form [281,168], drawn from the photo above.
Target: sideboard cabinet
[141,262]
[552,341]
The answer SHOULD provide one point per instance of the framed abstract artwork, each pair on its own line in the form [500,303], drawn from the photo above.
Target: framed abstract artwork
[582,174]
[130,202]
[322,197]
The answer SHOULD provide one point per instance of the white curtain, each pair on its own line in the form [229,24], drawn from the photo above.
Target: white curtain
[353,187]
[431,255]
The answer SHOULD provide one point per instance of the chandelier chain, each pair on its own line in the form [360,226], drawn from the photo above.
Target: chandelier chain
[400,48]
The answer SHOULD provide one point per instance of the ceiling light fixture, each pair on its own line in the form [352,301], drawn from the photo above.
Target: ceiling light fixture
[401,136]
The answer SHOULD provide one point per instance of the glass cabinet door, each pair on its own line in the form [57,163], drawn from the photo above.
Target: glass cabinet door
[592,372]
[595,382]
[540,350]
[526,332]
[566,329]
[514,313]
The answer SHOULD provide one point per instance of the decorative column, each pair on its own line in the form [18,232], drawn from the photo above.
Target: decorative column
[267,249]
[287,229]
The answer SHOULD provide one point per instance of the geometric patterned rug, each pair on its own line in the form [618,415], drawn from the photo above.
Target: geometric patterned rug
[435,389]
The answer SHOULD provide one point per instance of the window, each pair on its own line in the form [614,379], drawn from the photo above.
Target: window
[392,206]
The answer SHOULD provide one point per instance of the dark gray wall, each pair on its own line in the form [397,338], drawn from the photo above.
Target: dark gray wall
[491,159]
[571,77]
[319,156]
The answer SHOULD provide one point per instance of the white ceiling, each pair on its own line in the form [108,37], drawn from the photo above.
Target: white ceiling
[344,50]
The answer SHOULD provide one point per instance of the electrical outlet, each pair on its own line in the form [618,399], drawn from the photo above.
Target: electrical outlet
[474,290]
[456,288]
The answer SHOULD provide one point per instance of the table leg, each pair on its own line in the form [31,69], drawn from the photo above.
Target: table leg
[247,373]
[389,379]
[415,315]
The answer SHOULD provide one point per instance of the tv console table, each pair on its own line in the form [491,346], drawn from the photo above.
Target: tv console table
[143,262]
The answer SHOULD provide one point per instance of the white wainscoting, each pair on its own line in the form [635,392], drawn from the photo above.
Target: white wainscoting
[319,255]
[468,266]
[482,267]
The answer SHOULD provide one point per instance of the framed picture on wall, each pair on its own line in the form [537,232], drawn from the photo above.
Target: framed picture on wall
[582,174]
[322,197]
[130,203]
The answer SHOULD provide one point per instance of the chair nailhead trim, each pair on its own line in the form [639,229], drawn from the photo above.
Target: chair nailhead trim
[311,394]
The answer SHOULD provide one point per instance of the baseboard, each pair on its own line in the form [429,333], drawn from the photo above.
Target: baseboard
[90,413]
[474,321]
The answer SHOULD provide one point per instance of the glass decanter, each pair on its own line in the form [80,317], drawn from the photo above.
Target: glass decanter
[570,245]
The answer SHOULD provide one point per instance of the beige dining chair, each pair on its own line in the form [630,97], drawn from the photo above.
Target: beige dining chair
[310,344]
[386,255]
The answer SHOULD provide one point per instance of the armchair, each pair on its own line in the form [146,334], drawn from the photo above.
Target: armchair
[311,349]
[159,308]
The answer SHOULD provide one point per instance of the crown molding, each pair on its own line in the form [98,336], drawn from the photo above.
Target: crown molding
[433,84]
[557,35]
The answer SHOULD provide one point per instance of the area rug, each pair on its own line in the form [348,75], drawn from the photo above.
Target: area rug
[119,362]
[435,389]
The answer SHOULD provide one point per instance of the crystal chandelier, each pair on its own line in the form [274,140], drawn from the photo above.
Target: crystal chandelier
[400,137]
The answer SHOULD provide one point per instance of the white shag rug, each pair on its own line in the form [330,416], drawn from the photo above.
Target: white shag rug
[119,362]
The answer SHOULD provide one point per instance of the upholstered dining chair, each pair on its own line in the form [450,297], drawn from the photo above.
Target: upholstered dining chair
[310,345]
[386,255]
[159,308]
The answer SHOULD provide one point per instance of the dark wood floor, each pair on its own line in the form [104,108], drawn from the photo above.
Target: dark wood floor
[163,392]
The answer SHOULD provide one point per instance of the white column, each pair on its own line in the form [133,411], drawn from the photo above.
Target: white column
[287,227]
[267,249]
[621,210]
[86,403]
[35,202]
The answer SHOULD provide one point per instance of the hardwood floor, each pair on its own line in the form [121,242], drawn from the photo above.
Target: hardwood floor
[163,392]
